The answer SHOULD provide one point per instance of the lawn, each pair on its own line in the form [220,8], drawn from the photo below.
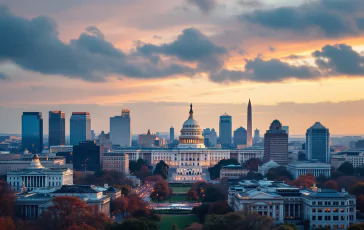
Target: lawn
[180,189]
[182,221]
[176,198]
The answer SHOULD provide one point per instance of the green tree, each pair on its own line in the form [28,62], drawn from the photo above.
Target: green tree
[239,221]
[161,169]
[347,168]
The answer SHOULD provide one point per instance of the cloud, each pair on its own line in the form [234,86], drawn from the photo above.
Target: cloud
[204,5]
[251,3]
[272,70]
[3,76]
[339,59]
[190,46]
[89,57]
[332,18]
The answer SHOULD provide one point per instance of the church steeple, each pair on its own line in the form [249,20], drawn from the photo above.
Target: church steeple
[191,111]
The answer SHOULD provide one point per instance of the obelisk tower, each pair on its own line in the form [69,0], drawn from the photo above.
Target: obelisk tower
[249,139]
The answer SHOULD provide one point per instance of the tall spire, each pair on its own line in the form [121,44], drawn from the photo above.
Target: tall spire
[249,136]
[191,111]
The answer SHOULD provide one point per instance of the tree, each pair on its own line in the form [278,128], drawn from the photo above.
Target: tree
[254,176]
[194,226]
[356,227]
[161,169]
[360,203]
[119,205]
[239,221]
[214,193]
[134,224]
[252,164]
[161,191]
[7,223]
[321,179]
[357,189]
[304,181]
[69,211]
[124,188]
[331,184]
[288,227]
[82,226]
[280,173]
[135,203]
[7,199]
[347,168]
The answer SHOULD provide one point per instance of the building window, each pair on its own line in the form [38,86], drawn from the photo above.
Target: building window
[313,217]
[319,217]
[335,217]
[320,210]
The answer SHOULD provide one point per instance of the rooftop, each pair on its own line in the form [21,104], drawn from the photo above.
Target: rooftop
[76,189]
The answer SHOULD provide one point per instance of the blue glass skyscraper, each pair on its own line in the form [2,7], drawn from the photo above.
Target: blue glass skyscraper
[32,132]
[225,130]
[317,143]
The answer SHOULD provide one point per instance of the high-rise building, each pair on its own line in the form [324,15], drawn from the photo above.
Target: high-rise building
[317,143]
[147,140]
[225,130]
[32,131]
[87,156]
[240,137]
[57,123]
[286,128]
[171,134]
[80,127]
[120,129]
[249,139]
[276,144]
[256,135]
[104,141]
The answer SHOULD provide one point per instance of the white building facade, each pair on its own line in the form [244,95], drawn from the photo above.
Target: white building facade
[316,169]
[356,158]
[36,176]
[264,168]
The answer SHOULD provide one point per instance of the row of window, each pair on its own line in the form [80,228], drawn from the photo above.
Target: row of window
[334,218]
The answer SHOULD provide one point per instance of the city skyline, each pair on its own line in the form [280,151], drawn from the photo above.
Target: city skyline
[185,52]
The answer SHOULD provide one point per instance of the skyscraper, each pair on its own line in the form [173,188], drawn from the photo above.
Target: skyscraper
[57,135]
[225,130]
[120,129]
[240,136]
[276,144]
[32,131]
[80,127]
[249,139]
[256,135]
[171,134]
[286,128]
[87,156]
[317,143]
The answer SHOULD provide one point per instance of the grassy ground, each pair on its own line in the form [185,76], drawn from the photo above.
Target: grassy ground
[175,198]
[182,221]
[180,189]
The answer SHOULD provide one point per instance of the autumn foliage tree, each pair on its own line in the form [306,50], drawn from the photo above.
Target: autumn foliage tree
[331,184]
[161,191]
[71,213]
[7,200]
[304,181]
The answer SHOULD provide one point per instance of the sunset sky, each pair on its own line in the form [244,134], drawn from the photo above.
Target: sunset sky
[298,61]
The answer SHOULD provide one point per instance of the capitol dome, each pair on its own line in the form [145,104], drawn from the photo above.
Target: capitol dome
[191,134]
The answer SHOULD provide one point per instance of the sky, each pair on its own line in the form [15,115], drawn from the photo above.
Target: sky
[298,61]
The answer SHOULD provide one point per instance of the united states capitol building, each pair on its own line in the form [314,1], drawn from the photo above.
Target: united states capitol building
[190,159]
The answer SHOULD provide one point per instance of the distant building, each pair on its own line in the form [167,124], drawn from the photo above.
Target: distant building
[171,134]
[120,129]
[225,130]
[32,132]
[276,144]
[87,156]
[240,136]
[210,137]
[116,162]
[256,136]
[104,141]
[358,144]
[61,148]
[318,143]
[315,168]
[233,172]
[147,140]
[57,134]
[160,142]
[36,176]
[80,127]
[286,128]
[264,168]
[246,154]
[355,157]
[93,135]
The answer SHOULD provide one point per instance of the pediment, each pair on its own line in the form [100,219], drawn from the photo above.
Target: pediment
[262,195]
[34,173]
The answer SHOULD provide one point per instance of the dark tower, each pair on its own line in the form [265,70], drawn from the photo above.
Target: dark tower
[249,139]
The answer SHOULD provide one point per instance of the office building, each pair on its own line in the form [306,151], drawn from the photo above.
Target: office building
[87,156]
[104,141]
[32,132]
[210,137]
[116,162]
[317,143]
[300,168]
[57,135]
[225,130]
[120,129]
[80,127]
[233,172]
[240,136]
[36,176]
[256,135]
[276,144]
[286,129]
[147,140]
[61,148]
[356,158]
[171,134]
[249,125]
[284,203]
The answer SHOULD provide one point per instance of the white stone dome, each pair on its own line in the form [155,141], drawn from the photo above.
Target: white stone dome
[191,134]
[191,123]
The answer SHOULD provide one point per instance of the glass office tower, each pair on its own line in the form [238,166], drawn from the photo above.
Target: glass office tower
[57,134]
[32,132]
